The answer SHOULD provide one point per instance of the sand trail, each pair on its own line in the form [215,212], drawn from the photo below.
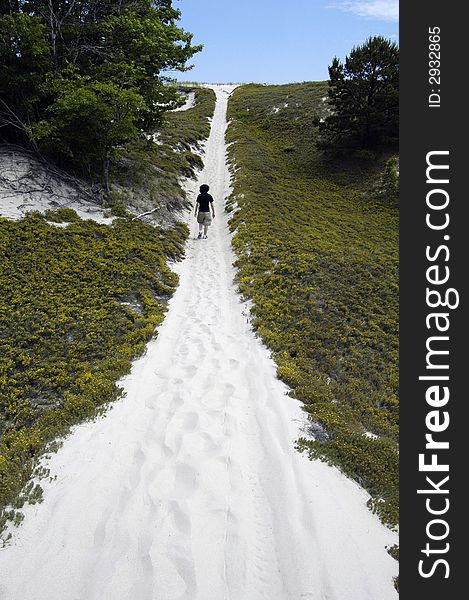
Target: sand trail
[190,487]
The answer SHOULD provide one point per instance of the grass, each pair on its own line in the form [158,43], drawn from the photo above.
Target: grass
[79,303]
[147,174]
[317,253]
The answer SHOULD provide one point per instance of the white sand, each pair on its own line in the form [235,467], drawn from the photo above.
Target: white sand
[190,487]
[25,186]
[189,102]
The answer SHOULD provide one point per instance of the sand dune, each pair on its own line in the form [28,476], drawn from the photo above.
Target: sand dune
[25,186]
[190,487]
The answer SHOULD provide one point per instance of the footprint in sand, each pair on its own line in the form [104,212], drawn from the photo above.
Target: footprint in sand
[231,425]
[181,517]
[185,481]
[189,422]
[184,565]
[138,462]
[183,350]
[176,403]
[190,370]
[211,447]
[167,452]
[179,426]
[100,533]
[215,363]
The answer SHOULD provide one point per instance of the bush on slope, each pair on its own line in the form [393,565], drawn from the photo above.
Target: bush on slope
[318,257]
[147,174]
[77,304]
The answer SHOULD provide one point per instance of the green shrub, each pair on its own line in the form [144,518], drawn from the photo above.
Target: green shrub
[78,304]
[319,259]
[68,329]
[149,173]
[388,189]
[62,215]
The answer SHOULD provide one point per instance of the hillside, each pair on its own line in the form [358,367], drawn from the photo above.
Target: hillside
[196,459]
[145,175]
[80,299]
[317,252]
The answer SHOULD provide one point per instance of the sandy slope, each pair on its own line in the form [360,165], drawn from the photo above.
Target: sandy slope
[25,186]
[189,102]
[190,487]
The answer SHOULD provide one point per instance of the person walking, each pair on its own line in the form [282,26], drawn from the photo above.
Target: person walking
[202,210]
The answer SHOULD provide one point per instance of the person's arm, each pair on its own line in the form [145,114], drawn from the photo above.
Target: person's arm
[213,210]
[196,209]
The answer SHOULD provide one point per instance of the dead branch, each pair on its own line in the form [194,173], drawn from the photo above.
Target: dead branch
[18,182]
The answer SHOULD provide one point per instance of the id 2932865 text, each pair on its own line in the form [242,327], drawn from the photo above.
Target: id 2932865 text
[434,67]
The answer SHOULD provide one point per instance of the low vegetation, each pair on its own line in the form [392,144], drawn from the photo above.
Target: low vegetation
[78,304]
[79,300]
[148,172]
[317,253]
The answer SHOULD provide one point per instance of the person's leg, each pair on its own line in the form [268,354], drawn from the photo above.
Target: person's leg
[200,229]
[205,230]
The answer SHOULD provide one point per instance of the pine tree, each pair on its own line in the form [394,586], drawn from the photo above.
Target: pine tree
[363,97]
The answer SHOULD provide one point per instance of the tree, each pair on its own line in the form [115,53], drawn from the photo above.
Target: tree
[364,98]
[78,78]
[24,62]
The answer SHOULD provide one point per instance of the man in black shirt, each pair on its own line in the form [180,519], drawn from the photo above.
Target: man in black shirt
[202,210]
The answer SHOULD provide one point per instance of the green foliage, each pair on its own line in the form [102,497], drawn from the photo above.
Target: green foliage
[77,304]
[388,188]
[152,170]
[79,80]
[87,119]
[24,55]
[319,259]
[115,206]
[394,551]
[61,215]
[373,463]
[364,98]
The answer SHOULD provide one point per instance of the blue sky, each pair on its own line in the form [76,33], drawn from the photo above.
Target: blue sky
[279,41]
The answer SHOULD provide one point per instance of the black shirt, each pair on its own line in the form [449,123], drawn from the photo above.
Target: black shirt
[204,200]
